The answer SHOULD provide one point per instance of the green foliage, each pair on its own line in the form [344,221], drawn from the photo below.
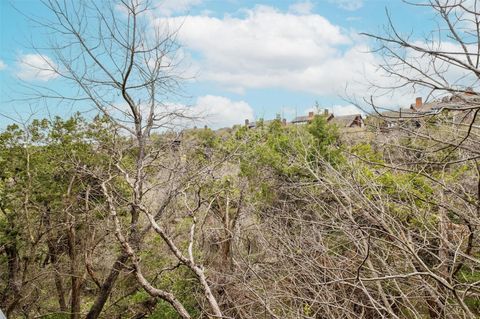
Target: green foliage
[366,152]
[56,316]
[272,169]
[325,141]
[43,180]
[182,284]
[289,150]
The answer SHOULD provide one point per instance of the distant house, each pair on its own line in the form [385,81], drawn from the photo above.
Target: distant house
[392,119]
[455,102]
[303,119]
[344,121]
[418,110]
[411,115]
[251,125]
[309,117]
[347,121]
[460,107]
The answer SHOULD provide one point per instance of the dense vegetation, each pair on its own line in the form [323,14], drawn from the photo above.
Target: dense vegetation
[290,222]
[131,215]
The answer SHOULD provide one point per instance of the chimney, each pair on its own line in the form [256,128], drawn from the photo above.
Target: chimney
[247,122]
[284,121]
[310,115]
[418,103]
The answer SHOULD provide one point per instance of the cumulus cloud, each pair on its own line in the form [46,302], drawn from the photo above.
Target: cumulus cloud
[211,110]
[268,48]
[35,67]
[2,65]
[350,5]
[294,50]
[349,109]
[218,111]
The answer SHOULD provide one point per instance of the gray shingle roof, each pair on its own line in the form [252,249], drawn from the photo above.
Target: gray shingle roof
[300,119]
[346,120]
[402,113]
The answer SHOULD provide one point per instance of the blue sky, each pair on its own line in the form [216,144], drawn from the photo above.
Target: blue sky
[251,58]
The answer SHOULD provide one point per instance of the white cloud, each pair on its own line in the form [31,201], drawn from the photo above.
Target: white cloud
[295,51]
[211,110]
[2,65]
[267,48]
[169,7]
[349,109]
[35,67]
[350,5]
[337,110]
[219,111]
[305,7]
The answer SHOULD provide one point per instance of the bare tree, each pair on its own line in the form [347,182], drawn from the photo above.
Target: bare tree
[434,138]
[387,230]
[444,65]
[121,60]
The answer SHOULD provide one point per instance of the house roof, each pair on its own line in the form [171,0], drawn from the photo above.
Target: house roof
[306,118]
[464,97]
[402,113]
[265,122]
[426,107]
[301,119]
[454,101]
[345,120]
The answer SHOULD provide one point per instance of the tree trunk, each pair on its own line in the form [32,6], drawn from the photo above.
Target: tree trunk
[53,252]
[58,281]
[76,280]
[13,284]
[107,286]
